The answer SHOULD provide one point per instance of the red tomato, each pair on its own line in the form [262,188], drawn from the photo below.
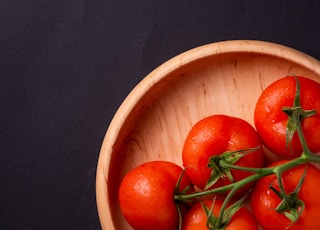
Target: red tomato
[264,201]
[196,218]
[213,136]
[271,121]
[146,195]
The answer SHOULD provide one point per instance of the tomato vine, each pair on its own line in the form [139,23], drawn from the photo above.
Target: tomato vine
[290,205]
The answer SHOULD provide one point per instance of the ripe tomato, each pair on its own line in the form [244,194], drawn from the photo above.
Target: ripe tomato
[196,218]
[264,201]
[214,135]
[271,121]
[146,195]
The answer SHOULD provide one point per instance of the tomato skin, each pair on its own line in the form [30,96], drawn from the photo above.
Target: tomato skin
[196,218]
[214,135]
[271,121]
[146,195]
[264,201]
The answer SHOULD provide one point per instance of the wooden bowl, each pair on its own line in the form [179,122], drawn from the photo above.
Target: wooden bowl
[153,121]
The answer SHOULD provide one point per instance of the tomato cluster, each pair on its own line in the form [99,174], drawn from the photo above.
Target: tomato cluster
[225,182]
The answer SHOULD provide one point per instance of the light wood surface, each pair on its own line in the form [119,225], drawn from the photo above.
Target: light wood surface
[153,121]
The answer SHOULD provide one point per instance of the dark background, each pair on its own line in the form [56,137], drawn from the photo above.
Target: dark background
[66,66]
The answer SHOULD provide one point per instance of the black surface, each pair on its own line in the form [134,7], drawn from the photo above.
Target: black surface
[66,66]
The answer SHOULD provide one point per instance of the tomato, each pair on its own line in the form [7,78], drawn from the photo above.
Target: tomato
[271,121]
[214,135]
[146,195]
[196,218]
[264,201]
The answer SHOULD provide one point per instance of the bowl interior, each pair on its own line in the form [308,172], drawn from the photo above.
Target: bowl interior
[152,123]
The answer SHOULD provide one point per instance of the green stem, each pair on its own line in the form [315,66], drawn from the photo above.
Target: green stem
[238,184]
[296,114]
[224,164]
[306,151]
[226,201]
[258,173]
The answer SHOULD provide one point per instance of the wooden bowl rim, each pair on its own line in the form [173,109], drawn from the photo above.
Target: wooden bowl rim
[146,84]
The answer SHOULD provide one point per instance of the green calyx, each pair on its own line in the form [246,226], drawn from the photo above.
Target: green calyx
[291,206]
[219,171]
[220,222]
[177,192]
[296,115]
